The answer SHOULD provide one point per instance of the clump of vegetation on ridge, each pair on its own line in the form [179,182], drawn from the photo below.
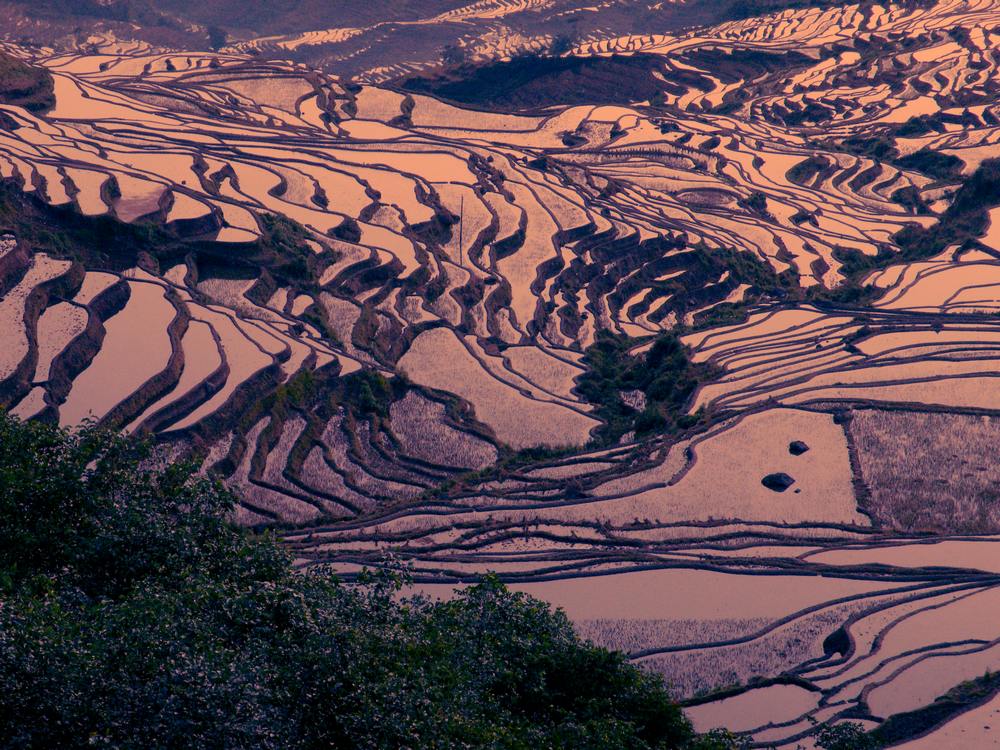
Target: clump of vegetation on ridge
[23,85]
[664,375]
[932,163]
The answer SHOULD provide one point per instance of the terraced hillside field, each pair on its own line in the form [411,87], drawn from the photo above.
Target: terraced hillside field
[708,357]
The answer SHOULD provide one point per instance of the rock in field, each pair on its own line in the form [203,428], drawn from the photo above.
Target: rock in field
[778,482]
[797,447]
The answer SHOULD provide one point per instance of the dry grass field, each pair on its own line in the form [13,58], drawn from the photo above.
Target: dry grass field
[929,471]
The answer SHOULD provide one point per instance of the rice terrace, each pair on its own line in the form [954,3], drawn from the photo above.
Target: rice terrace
[682,317]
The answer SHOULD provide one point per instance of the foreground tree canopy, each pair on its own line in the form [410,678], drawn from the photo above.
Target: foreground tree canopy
[132,615]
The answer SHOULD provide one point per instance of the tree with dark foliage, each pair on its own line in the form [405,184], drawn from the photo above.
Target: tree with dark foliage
[453,56]
[134,615]
[217,37]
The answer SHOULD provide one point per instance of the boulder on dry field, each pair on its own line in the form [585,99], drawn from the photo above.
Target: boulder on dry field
[779,482]
[797,447]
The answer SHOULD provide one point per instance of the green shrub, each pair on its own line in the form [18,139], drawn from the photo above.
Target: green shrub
[846,736]
[664,374]
[133,615]
[932,163]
